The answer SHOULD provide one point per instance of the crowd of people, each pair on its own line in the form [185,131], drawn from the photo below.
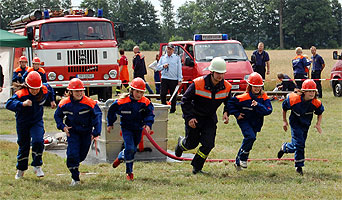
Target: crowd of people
[80,117]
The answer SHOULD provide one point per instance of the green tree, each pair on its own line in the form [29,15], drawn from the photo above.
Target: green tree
[46,4]
[95,5]
[337,15]
[144,46]
[9,10]
[168,22]
[128,45]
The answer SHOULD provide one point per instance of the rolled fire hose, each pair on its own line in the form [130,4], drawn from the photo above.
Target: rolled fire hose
[219,160]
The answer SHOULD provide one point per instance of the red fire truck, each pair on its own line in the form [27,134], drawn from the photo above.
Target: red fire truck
[196,55]
[336,73]
[69,46]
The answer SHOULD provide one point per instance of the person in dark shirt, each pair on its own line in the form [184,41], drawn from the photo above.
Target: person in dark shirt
[287,84]
[1,79]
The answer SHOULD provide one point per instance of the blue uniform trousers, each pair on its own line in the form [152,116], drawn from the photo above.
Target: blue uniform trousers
[131,140]
[297,145]
[78,147]
[157,79]
[249,135]
[25,133]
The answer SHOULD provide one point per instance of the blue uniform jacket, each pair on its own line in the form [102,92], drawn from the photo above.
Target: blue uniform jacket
[18,71]
[84,116]
[302,111]
[41,72]
[299,64]
[29,114]
[254,115]
[133,114]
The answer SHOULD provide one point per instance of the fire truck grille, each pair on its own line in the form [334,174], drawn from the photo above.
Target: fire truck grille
[83,68]
[82,57]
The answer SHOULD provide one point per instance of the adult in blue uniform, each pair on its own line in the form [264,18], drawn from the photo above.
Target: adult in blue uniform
[317,68]
[260,59]
[27,103]
[136,114]
[20,71]
[249,110]
[82,123]
[199,105]
[299,64]
[302,105]
[36,67]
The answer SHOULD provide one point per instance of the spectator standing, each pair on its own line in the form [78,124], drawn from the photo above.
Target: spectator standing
[317,68]
[171,75]
[123,71]
[299,64]
[139,67]
[260,60]
[156,74]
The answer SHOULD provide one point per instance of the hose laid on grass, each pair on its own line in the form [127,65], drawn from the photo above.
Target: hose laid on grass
[219,160]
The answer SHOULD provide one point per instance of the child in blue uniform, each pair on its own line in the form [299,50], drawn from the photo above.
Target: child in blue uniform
[27,103]
[136,113]
[83,121]
[249,109]
[302,106]
[20,71]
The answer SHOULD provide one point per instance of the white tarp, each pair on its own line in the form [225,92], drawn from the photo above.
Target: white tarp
[6,61]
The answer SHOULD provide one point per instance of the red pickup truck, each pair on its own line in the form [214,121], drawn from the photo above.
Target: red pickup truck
[336,73]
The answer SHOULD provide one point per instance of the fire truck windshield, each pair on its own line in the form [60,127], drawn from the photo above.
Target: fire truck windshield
[68,31]
[227,51]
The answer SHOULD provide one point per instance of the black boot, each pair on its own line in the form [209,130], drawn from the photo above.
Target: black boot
[281,151]
[179,149]
[299,170]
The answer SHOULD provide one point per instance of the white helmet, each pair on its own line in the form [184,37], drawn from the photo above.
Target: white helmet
[218,65]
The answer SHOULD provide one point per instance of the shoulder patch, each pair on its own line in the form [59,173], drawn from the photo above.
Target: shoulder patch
[294,98]
[22,92]
[30,69]
[243,97]
[41,70]
[145,100]
[18,69]
[64,101]
[124,100]
[88,101]
[45,90]
[264,96]
[316,102]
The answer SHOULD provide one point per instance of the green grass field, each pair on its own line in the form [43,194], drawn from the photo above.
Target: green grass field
[162,180]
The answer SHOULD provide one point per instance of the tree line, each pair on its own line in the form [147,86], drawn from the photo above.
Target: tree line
[280,24]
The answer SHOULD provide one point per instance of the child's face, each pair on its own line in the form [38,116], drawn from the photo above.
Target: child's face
[256,89]
[22,64]
[36,65]
[137,95]
[34,92]
[77,94]
[309,95]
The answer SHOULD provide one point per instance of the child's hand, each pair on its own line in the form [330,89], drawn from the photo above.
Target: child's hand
[109,128]
[285,125]
[254,103]
[66,130]
[192,122]
[319,129]
[53,105]
[241,116]
[147,128]
[28,102]
[225,118]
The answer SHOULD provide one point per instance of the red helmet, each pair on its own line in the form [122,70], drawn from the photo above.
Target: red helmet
[255,79]
[34,80]
[309,85]
[22,59]
[138,84]
[36,60]
[75,84]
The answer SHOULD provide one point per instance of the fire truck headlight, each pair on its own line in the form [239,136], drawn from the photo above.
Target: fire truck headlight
[106,76]
[112,73]
[60,77]
[52,76]
[246,77]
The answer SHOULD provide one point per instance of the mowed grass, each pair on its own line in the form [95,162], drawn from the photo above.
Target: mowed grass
[162,180]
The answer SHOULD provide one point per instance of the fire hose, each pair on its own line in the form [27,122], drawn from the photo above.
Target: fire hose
[161,150]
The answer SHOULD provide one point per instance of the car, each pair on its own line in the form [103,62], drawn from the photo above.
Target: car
[336,75]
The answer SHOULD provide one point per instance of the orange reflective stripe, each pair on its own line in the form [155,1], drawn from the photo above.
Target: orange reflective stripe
[300,56]
[30,69]
[264,96]
[124,100]
[294,99]
[199,88]
[243,97]
[64,101]
[88,101]
[22,92]
[45,90]
[41,70]
[317,103]
[144,100]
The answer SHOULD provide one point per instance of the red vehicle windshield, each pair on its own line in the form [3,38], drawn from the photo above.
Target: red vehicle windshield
[228,51]
[69,31]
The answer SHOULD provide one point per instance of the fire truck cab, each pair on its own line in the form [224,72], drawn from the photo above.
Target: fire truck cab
[72,46]
[196,56]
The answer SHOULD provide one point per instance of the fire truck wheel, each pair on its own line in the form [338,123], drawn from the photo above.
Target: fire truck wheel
[337,89]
